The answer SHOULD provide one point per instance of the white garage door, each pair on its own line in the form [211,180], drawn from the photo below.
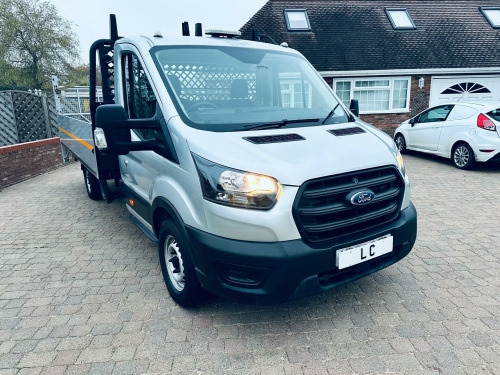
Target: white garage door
[464,89]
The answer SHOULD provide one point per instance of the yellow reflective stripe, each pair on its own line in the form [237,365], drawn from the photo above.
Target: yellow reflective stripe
[77,139]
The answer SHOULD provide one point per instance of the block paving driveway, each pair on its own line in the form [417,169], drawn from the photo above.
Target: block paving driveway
[81,292]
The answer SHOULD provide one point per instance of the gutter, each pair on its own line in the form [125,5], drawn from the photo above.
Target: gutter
[392,72]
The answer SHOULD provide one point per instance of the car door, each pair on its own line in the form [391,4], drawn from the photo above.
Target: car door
[139,168]
[425,129]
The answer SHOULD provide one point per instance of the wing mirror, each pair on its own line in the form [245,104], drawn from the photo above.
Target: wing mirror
[112,132]
[354,107]
[412,121]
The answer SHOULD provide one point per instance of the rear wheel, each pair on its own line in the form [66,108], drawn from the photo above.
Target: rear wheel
[400,142]
[92,185]
[462,156]
[177,268]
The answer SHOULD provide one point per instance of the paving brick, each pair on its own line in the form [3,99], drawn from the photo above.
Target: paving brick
[74,305]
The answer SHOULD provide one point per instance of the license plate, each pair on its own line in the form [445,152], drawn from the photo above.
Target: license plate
[364,252]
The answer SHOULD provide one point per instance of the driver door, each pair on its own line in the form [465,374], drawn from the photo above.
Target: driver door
[139,168]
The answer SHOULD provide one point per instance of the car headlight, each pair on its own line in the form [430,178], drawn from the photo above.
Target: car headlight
[401,163]
[236,188]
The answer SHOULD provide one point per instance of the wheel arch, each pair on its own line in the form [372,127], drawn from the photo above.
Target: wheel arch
[458,142]
[164,210]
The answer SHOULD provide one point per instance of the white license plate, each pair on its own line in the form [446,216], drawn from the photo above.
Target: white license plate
[361,253]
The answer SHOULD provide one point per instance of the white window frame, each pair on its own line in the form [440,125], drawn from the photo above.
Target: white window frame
[393,21]
[374,88]
[306,18]
[484,11]
[291,79]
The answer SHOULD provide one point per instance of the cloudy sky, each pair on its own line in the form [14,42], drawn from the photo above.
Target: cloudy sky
[90,18]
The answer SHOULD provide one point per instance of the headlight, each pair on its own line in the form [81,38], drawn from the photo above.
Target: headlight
[236,188]
[401,164]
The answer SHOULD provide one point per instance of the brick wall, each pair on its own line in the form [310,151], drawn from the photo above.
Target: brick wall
[25,160]
[388,122]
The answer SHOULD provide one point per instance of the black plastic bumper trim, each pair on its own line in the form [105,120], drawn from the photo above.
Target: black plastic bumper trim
[296,269]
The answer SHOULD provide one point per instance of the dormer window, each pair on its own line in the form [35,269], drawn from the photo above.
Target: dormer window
[400,19]
[297,20]
[492,15]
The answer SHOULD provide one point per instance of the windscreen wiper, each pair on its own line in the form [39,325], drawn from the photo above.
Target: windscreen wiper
[330,114]
[277,124]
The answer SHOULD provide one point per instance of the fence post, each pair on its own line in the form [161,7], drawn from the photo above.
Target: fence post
[46,115]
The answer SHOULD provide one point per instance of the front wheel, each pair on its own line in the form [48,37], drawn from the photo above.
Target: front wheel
[462,156]
[400,142]
[91,185]
[176,266]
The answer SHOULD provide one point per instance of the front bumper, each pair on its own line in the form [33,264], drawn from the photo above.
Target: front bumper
[264,273]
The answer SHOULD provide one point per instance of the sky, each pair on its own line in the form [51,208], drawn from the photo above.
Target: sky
[90,18]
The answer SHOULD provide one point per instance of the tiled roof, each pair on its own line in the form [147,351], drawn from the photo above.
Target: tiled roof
[357,35]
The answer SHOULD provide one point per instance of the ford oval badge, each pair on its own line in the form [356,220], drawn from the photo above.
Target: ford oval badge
[360,198]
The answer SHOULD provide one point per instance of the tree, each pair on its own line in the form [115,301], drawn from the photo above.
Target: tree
[35,43]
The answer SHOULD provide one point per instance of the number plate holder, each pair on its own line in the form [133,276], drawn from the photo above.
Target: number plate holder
[357,254]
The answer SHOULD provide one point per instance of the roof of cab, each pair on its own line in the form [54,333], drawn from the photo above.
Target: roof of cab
[146,42]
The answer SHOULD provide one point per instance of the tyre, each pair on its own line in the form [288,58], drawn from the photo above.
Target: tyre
[177,268]
[400,142]
[462,156]
[92,185]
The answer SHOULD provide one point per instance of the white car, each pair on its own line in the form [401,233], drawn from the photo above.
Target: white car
[464,132]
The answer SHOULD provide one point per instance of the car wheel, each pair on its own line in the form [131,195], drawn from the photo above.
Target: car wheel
[176,266]
[462,156]
[92,185]
[400,142]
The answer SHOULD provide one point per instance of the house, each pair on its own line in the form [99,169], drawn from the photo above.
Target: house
[397,57]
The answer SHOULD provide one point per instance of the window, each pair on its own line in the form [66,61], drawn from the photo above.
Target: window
[495,114]
[376,95]
[435,114]
[272,86]
[141,100]
[464,87]
[492,15]
[295,91]
[400,19]
[297,20]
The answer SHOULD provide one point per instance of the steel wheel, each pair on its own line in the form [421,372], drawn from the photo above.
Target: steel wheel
[173,261]
[462,156]
[177,267]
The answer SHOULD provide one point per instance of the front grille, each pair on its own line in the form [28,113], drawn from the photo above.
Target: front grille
[323,212]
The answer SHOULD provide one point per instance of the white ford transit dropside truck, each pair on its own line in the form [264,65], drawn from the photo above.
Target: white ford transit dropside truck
[236,157]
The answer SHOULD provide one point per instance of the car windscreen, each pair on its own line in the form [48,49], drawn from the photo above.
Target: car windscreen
[234,88]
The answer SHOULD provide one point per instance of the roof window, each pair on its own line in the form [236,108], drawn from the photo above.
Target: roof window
[400,19]
[492,15]
[297,20]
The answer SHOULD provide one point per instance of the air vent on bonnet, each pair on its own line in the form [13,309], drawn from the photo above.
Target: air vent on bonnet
[346,131]
[275,138]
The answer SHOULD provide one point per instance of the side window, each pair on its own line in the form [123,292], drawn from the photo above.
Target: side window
[435,114]
[141,100]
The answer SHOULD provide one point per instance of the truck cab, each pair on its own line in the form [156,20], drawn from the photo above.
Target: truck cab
[256,181]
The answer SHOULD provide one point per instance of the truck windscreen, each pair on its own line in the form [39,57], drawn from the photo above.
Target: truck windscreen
[233,88]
